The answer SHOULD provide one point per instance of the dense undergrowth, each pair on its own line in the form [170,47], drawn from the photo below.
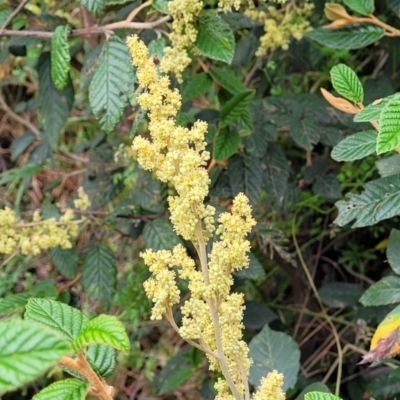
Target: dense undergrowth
[77,209]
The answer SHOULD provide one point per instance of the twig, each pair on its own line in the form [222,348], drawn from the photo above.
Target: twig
[12,15]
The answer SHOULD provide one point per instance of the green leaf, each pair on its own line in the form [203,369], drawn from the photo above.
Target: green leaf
[386,291]
[327,185]
[60,56]
[104,329]
[305,133]
[340,294]
[235,107]
[20,144]
[372,112]
[214,37]
[99,273]
[354,37]
[394,5]
[257,314]
[13,302]
[379,201]
[66,389]
[313,387]
[55,104]
[94,6]
[64,319]
[111,83]
[389,166]
[15,174]
[65,260]
[226,143]
[101,358]
[320,396]
[27,350]
[270,351]
[160,5]
[255,271]
[160,235]
[227,80]
[196,86]
[345,81]
[355,147]
[389,126]
[363,7]
[245,177]
[393,251]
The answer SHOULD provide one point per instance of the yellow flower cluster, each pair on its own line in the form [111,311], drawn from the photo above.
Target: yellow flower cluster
[35,236]
[82,202]
[271,387]
[280,25]
[212,317]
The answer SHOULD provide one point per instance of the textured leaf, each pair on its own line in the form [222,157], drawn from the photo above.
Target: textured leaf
[345,81]
[227,80]
[99,273]
[60,56]
[379,201]
[64,319]
[55,104]
[254,271]
[393,250]
[214,37]
[111,83]
[363,7]
[386,291]
[65,260]
[313,387]
[235,107]
[389,166]
[340,294]
[226,143]
[102,358]
[66,389]
[305,133]
[355,147]
[327,185]
[160,235]
[394,5]
[276,173]
[27,350]
[20,144]
[372,112]
[320,396]
[196,86]
[160,5]
[270,351]
[12,302]
[94,6]
[245,178]
[256,315]
[353,37]
[389,126]
[106,330]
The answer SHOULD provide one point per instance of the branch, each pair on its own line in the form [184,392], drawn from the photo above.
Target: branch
[12,15]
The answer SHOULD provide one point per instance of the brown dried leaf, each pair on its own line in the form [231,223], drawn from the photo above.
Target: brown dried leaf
[339,103]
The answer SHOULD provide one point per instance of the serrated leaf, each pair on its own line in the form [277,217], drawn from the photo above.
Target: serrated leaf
[27,350]
[55,104]
[214,37]
[65,319]
[340,294]
[227,80]
[94,6]
[60,57]
[111,83]
[13,302]
[386,291]
[20,144]
[276,173]
[389,166]
[372,112]
[355,147]
[394,5]
[254,271]
[363,7]
[345,81]
[379,201]
[106,330]
[393,251]
[196,86]
[66,389]
[320,396]
[226,143]
[245,178]
[235,107]
[160,235]
[353,37]
[65,260]
[327,185]
[102,358]
[270,351]
[389,126]
[99,273]
[305,133]
[313,387]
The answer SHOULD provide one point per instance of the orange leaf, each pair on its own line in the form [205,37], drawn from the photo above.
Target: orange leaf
[334,11]
[339,103]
